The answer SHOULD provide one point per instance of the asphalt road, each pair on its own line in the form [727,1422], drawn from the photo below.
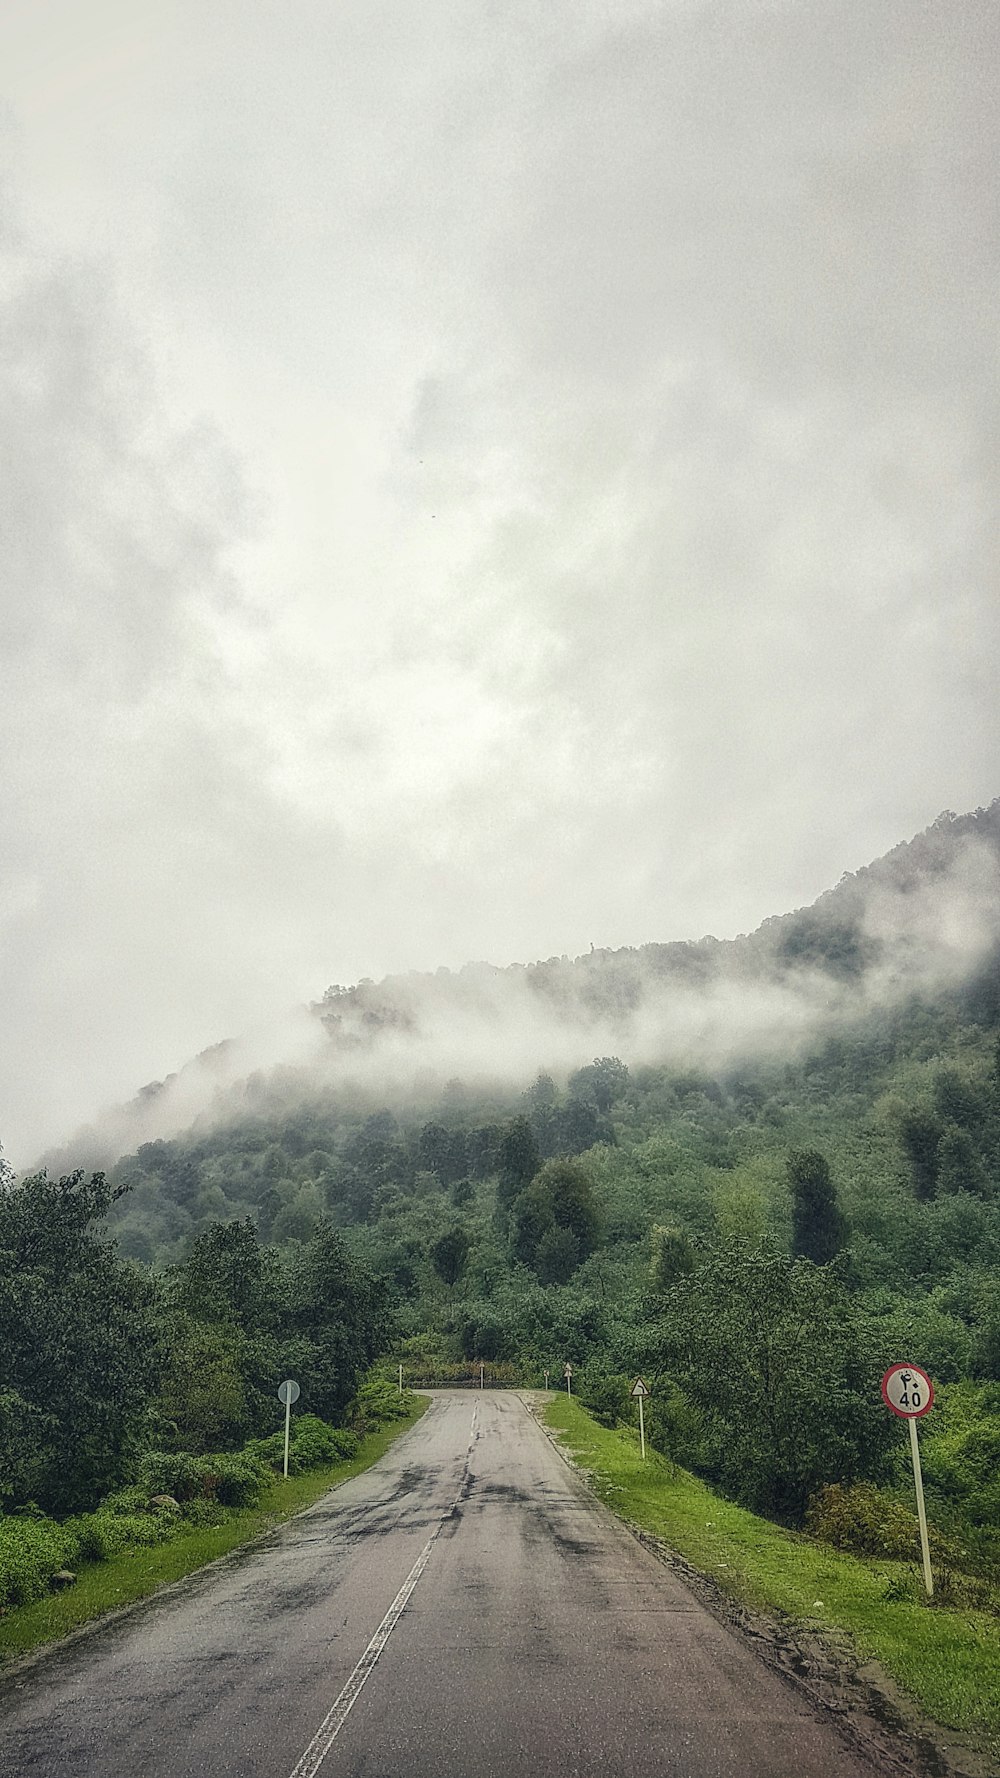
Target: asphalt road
[462,1610]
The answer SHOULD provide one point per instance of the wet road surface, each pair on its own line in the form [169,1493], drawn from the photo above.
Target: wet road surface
[462,1610]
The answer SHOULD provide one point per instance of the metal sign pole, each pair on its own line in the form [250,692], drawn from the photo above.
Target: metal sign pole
[909,1394]
[288,1391]
[918,1482]
[638,1392]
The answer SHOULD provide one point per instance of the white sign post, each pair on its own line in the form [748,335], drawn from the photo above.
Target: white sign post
[568,1374]
[482,1369]
[287,1393]
[400,1379]
[546,1379]
[909,1393]
[639,1392]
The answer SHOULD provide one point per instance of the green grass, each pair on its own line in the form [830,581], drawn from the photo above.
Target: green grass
[948,1661]
[106,1586]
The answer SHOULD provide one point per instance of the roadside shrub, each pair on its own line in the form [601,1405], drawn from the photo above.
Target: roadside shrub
[93,1536]
[377,1403]
[270,1451]
[173,1472]
[32,1550]
[864,1520]
[238,1478]
[605,1395]
[202,1513]
[315,1442]
[233,1478]
[312,1445]
[109,1530]
[127,1501]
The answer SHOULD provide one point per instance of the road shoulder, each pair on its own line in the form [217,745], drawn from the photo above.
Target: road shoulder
[823,1664]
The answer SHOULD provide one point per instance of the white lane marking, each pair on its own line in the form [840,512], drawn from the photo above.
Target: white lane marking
[334,1720]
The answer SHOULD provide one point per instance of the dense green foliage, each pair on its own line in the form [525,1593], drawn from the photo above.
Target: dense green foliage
[79,1345]
[176,1492]
[103,1362]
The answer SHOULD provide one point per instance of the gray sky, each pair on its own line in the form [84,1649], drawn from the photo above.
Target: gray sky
[478,480]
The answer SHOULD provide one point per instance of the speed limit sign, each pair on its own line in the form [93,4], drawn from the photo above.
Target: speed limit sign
[908,1391]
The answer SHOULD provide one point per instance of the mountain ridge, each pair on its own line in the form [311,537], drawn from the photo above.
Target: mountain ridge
[922,918]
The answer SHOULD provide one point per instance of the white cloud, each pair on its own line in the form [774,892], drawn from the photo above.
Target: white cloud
[479,482]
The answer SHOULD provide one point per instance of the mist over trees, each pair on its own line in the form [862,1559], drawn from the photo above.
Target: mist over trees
[759,1237]
[921,921]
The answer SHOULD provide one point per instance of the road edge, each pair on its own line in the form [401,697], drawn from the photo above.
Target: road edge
[879,1721]
[34,1657]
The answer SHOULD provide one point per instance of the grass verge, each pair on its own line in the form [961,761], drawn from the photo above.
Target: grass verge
[948,1661]
[107,1586]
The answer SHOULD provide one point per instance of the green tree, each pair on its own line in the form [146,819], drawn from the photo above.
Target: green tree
[201,1402]
[672,1256]
[541,1095]
[557,1255]
[558,1202]
[818,1224]
[444,1152]
[920,1134]
[449,1254]
[517,1161]
[784,1373]
[79,1347]
[959,1166]
[333,1322]
[27,1438]
[604,1080]
[531,1220]
[573,1204]
[227,1275]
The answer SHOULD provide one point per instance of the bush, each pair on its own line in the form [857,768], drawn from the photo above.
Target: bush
[315,1442]
[233,1478]
[605,1395]
[312,1445]
[173,1472]
[32,1550]
[270,1451]
[238,1478]
[378,1402]
[866,1521]
[202,1513]
[108,1530]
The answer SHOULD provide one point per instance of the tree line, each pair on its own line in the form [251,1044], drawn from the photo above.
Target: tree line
[104,1361]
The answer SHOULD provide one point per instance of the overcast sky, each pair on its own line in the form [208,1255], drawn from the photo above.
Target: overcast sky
[478,480]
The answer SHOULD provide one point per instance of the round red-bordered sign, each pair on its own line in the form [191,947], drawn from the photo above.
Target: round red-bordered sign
[907,1391]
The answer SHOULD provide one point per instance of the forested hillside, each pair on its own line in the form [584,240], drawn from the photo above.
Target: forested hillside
[921,921]
[759,1227]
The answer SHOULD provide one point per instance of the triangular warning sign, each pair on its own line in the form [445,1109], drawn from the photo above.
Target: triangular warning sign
[639,1387]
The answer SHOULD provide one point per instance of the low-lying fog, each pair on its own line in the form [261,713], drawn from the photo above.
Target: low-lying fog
[922,921]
